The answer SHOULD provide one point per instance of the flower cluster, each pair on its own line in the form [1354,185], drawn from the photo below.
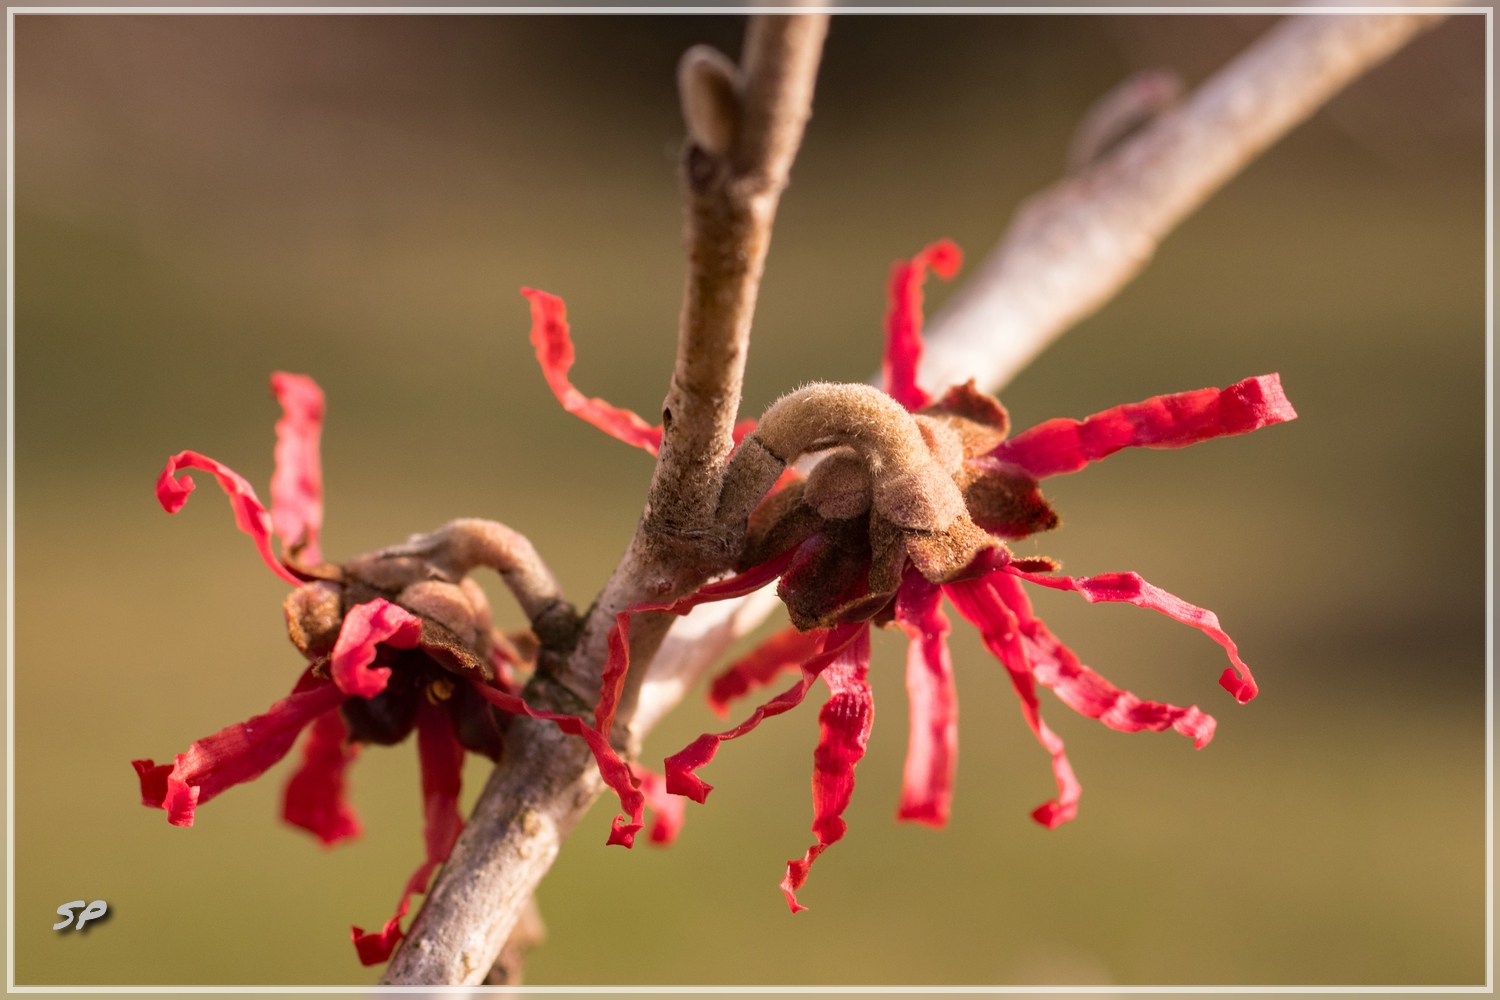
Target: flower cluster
[912,500]
[397,640]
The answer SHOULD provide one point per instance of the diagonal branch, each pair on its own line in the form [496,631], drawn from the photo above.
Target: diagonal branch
[745,124]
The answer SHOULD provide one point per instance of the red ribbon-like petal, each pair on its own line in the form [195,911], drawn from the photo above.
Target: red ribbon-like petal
[314,798]
[1083,690]
[364,627]
[615,772]
[249,514]
[903,321]
[242,752]
[843,732]
[554,352]
[786,650]
[680,766]
[670,809]
[442,758]
[1129,588]
[297,483]
[981,606]
[1176,421]
[932,746]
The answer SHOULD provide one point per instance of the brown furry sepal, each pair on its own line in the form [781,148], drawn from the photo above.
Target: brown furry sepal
[1004,500]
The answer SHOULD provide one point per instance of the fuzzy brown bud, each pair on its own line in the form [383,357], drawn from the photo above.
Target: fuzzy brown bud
[446,604]
[313,616]
[838,487]
[709,85]
[912,487]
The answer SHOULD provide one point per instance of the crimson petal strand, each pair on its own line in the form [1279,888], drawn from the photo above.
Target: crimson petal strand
[903,321]
[365,627]
[932,746]
[442,758]
[680,766]
[981,606]
[250,516]
[554,351]
[670,809]
[843,733]
[297,483]
[1064,445]
[1081,689]
[232,756]
[315,795]
[786,650]
[1129,588]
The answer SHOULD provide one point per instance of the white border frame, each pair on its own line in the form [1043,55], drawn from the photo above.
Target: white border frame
[1490,443]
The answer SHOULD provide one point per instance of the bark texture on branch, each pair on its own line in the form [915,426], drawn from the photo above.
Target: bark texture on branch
[745,125]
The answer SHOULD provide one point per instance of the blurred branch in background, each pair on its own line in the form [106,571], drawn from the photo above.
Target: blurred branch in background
[1141,166]
[1072,247]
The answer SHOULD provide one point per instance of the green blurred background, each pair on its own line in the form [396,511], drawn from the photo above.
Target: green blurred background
[201,200]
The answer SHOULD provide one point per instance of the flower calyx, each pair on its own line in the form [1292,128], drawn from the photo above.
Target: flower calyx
[892,488]
[427,578]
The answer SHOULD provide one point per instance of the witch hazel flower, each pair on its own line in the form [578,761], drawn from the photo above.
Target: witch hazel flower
[912,502]
[397,640]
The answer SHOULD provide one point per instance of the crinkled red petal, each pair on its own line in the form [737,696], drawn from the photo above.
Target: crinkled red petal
[786,650]
[1129,588]
[670,809]
[1176,421]
[297,483]
[153,779]
[981,606]
[843,733]
[442,758]
[903,320]
[680,766]
[1083,690]
[932,746]
[315,795]
[242,752]
[249,514]
[377,947]
[554,351]
[364,627]
[614,771]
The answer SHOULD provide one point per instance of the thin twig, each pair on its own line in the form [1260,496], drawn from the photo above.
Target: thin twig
[745,126]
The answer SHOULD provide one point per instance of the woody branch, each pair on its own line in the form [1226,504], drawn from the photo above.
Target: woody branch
[1070,248]
[745,123]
